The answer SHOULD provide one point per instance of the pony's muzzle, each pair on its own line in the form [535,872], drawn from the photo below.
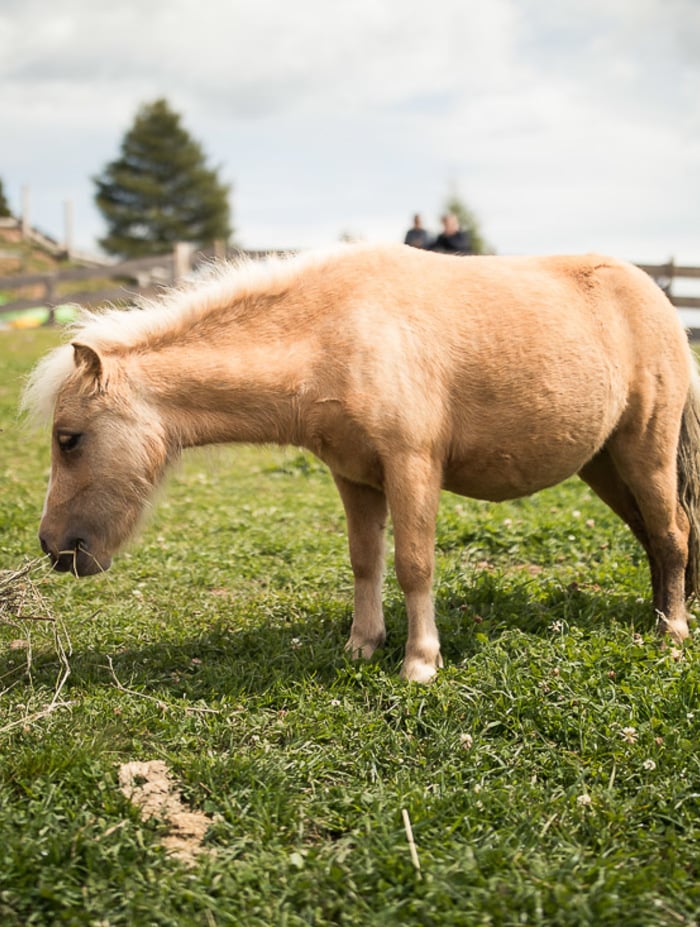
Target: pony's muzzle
[75,557]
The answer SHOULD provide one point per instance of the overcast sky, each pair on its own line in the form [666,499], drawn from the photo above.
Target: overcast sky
[566,125]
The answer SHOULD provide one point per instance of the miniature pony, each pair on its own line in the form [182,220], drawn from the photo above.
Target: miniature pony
[406,372]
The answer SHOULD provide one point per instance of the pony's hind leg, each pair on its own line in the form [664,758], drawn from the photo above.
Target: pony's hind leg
[366,511]
[648,468]
[601,475]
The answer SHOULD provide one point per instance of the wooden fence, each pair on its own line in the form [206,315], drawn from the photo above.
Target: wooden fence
[100,283]
[666,274]
[145,276]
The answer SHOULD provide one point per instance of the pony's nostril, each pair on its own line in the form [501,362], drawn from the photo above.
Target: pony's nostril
[44,546]
[81,546]
[75,545]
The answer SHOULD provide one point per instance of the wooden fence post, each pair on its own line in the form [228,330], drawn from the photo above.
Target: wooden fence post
[51,298]
[182,260]
[671,275]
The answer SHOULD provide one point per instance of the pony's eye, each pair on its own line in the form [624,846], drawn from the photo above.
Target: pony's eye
[68,440]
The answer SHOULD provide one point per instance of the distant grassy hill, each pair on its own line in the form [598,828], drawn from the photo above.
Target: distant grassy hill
[36,254]
[25,256]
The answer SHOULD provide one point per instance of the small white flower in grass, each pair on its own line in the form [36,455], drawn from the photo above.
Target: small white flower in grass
[585,800]
[295,643]
[335,702]
[638,640]
[556,627]
[649,764]
[467,741]
[507,522]
[590,522]
[576,513]
[629,735]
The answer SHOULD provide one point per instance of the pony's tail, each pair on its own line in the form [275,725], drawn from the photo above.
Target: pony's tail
[689,481]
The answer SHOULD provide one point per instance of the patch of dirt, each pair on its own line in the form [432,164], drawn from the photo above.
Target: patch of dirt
[151,787]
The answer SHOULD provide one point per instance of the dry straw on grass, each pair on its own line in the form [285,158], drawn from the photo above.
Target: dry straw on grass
[26,613]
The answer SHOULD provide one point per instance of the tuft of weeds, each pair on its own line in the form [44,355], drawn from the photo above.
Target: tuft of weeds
[25,617]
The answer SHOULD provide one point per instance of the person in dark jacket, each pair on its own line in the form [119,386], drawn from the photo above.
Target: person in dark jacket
[452,239]
[416,236]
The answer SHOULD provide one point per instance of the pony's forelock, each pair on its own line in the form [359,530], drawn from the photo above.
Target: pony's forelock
[44,382]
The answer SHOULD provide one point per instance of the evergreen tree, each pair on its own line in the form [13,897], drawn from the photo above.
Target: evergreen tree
[469,224]
[159,190]
[5,211]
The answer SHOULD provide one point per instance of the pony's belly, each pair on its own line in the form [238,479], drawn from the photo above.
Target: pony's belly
[498,477]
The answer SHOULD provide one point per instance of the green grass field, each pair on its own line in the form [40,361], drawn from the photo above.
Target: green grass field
[550,775]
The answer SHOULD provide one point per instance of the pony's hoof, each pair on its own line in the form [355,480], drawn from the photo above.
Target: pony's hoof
[676,629]
[418,669]
[363,648]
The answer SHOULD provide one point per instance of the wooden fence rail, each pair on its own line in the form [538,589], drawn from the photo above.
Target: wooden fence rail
[46,285]
[666,274]
[136,277]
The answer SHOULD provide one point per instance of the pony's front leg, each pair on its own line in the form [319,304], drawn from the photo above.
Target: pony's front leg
[414,495]
[366,511]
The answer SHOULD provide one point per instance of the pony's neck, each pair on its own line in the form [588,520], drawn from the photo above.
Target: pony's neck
[221,393]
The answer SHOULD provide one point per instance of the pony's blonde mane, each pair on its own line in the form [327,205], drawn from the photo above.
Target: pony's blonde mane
[223,287]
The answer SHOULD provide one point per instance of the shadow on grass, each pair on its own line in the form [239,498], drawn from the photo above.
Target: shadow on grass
[225,661]
[489,608]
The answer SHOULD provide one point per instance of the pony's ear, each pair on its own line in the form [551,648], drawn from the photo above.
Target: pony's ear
[87,357]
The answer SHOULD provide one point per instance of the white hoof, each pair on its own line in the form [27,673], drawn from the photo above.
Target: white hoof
[418,669]
[360,648]
[675,628]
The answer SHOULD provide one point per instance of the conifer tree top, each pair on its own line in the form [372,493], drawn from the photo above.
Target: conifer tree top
[159,190]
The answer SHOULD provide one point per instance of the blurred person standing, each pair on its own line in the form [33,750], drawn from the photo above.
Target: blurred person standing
[416,236]
[452,239]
